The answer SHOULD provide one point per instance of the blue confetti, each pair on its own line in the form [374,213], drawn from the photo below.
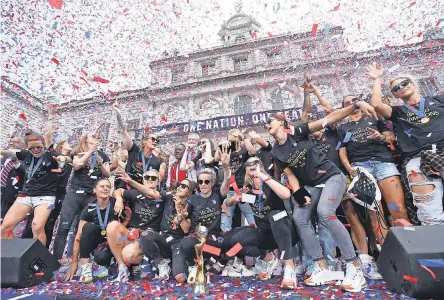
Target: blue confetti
[347,137]
[338,146]
[122,238]
[409,131]
[393,206]
[87,34]
[432,263]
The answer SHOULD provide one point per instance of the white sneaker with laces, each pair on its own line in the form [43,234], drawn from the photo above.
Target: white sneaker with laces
[164,270]
[227,268]
[290,280]
[241,271]
[192,273]
[354,279]
[101,272]
[123,275]
[268,268]
[87,275]
[368,266]
[299,268]
[321,276]
[278,271]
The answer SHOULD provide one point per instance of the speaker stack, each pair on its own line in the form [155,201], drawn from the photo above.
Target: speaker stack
[25,263]
[412,261]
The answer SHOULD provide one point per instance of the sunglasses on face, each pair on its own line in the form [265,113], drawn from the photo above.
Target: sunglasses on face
[206,181]
[270,120]
[400,86]
[183,186]
[154,140]
[35,148]
[150,178]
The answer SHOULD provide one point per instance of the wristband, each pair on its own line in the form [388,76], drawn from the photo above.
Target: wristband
[355,105]
[268,178]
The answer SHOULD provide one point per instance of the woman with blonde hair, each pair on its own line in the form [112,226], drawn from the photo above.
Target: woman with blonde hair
[89,164]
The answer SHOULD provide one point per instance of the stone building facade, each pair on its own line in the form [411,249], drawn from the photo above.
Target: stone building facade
[245,77]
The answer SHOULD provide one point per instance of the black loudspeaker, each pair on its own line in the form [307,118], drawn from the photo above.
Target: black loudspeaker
[412,261]
[25,263]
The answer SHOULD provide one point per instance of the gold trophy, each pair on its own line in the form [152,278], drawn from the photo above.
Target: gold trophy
[200,285]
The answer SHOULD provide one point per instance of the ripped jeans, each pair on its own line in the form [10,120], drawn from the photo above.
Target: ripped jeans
[227,216]
[430,205]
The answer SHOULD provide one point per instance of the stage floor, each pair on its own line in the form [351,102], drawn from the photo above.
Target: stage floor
[219,288]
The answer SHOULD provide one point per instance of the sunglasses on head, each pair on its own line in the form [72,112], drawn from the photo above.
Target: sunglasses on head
[150,178]
[183,186]
[400,85]
[206,181]
[35,148]
[251,163]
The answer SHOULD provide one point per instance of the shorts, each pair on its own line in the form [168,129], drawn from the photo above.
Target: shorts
[430,206]
[379,169]
[34,201]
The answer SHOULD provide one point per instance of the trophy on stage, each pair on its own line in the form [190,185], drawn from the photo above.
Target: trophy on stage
[200,285]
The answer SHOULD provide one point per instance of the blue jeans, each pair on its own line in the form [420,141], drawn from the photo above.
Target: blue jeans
[379,169]
[227,217]
[327,244]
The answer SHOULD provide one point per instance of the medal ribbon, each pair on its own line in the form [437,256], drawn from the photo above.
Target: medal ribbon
[260,197]
[420,113]
[145,166]
[31,169]
[102,225]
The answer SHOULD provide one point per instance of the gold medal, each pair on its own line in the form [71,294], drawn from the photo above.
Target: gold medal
[425,120]
[103,232]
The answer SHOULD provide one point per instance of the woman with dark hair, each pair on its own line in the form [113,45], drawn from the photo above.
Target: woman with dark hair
[39,191]
[162,247]
[419,129]
[91,232]
[303,163]
[89,164]
[270,214]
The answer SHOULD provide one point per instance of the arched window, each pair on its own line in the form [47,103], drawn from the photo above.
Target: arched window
[243,105]
[283,99]
[209,108]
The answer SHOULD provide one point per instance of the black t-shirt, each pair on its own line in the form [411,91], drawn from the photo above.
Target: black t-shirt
[412,135]
[270,201]
[146,212]
[264,153]
[43,182]
[89,213]
[310,166]
[134,165]
[328,144]
[62,177]
[359,147]
[167,223]
[83,179]
[206,211]
[237,165]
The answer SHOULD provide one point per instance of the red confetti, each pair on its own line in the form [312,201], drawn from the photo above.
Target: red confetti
[39,274]
[404,222]
[336,8]
[77,240]
[288,131]
[75,86]
[410,278]
[146,42]
[9,233]
[146,285]
[392,147]
[413,3]
[322,171]
[234,184]
[347,225]
[56,170]
[378,229]
[54,60]
[101,80]
[314,29]
[414,173]
[22,115]
[257,192]
[332,217]
[224,208]
[419,34]
[430,271]
[270,35]
[235,250]
[332,199]
[211,249]
[56,3]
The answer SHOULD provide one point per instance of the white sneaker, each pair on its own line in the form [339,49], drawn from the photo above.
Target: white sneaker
[123,275]
[227,268]
[278,270]
[368,266]
[101,272]
[321,276]
[241,271]
[354,279]
[87,276]
[164,270]
[192,273]
[290,281]
[267,268]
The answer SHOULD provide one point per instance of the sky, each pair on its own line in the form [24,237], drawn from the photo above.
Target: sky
[90,47]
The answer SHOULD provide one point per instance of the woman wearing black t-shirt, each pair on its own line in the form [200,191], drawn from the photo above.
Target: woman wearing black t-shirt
[39,191]
[89,164]
[91,232]
[304,163]
[275,226]
[419,129]
[146,216]
[241,150]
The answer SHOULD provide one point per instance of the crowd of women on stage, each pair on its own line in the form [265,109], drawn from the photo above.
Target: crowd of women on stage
[134,213]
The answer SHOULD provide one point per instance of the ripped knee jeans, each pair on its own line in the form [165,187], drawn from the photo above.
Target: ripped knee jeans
[430,205]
